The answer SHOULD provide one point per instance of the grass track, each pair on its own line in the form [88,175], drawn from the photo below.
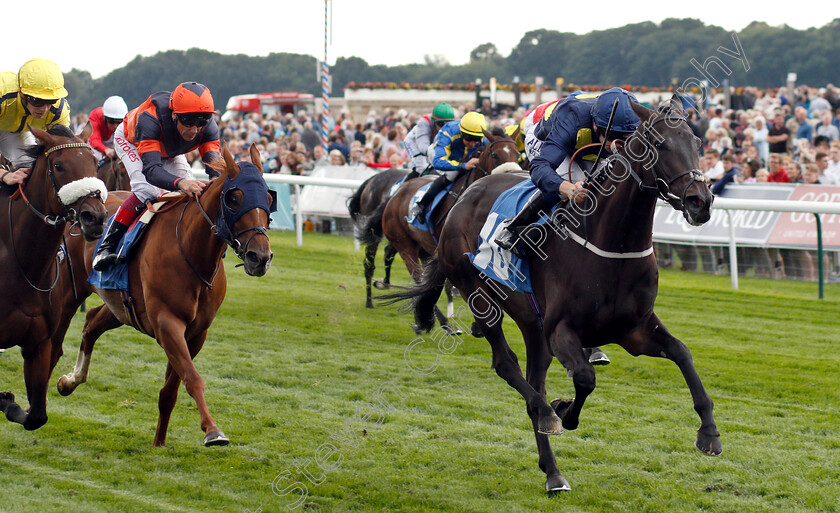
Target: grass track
[293,356]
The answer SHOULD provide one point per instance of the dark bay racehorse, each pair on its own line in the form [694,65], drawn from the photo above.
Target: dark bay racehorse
[416,246]
[61,189]
[113,173]
[177,281]
[366,206]
[594,277]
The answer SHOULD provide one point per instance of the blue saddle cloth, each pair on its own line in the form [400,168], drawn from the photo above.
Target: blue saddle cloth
[429,225]
[116,276]
[497,263]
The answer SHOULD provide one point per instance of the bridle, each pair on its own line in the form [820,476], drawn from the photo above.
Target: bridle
[662,184]
[222,229]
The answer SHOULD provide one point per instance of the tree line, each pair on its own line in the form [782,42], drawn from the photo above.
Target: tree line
[641,54]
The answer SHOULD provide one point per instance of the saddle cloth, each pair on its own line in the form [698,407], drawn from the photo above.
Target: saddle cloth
[497,263]
[429,225]
[116,276]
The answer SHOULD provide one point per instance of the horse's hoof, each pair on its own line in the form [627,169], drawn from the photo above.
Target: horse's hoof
[550,425]
[556,484]
[475,330]
[561,407]
[450,331]
[709,445]
[216,437]
[64,387]
[6,399]
[369,304]
[598,357]
[381,285]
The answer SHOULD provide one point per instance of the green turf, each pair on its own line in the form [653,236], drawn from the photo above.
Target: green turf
[294,361]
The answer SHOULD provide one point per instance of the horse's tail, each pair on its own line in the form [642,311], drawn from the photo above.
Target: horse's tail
[424,295]
[354,202]
[369,229]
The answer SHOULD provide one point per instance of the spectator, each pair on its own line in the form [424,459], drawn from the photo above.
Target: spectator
[778,134]
[805,130]
[337,158]
[826,129]
[759,137]
[730,174]
[715,170]
[821,165]
[762,175]
[776,172]
[811,175]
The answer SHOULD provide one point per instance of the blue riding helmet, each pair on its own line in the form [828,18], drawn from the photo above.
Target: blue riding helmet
[625,120]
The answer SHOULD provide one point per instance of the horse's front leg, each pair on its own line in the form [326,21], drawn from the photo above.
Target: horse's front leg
[36,373]
[390,254]
[370,267]
[566,347]
[657,341]
[170,335]
[97,321]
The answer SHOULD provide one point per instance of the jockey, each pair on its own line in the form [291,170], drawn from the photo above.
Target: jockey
[419,139]
[454,148]
[151,143]
[34,96]
[104,120]
[570,125]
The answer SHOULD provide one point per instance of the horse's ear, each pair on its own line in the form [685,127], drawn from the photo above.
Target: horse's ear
[42,136]
[490,137]
[677,104]
[86,132]
[230,164]
[516,133]
[643,112]
[255,157]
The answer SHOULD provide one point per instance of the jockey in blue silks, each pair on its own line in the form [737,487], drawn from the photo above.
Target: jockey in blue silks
[455,148]
[573,123]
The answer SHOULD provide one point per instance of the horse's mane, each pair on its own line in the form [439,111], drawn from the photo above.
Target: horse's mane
[37,149]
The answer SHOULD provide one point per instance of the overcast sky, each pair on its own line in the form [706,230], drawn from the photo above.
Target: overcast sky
[99,36]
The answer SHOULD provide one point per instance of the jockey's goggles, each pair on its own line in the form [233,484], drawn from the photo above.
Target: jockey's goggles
[37,102]
[194,119]
[113,121]
[470,138]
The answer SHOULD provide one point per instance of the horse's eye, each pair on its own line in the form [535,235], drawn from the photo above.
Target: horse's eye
[659,145]
[58,167]
[234,199]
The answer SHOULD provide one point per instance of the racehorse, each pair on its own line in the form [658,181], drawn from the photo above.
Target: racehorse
[593,273]
[366,206]
[416,246]
[177,281]
[112,171]
[61,189]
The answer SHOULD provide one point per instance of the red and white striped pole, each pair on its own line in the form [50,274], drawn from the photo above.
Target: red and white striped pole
[325,80]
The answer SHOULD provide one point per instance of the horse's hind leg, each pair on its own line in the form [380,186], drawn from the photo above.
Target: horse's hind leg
[97,321]
[390,254]
[370,266]
[166,402]
[657,341]
[36,373]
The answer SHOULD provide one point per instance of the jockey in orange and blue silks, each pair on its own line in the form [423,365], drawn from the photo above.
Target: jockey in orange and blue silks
[151,143]
[454,150]
[575,122]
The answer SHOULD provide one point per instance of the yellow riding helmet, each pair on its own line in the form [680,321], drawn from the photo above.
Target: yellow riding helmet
[41,78]
[473,123]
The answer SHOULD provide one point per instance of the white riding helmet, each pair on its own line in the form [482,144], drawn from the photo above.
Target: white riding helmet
[114,107]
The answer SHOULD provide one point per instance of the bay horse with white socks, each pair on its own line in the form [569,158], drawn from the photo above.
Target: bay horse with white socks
[177,281]
[593,273]
[61,189]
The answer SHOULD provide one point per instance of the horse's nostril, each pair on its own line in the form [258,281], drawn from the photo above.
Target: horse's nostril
[87,218]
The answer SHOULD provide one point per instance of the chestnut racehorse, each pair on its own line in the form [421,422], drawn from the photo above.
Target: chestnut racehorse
[177,280]
[593,272]
[113,173]
[61,189]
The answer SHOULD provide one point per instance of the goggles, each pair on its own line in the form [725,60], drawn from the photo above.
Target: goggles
[194,119]
[37,102]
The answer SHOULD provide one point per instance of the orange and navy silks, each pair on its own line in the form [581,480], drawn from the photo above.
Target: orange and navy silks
[152,130]
[450,154]
[13,115]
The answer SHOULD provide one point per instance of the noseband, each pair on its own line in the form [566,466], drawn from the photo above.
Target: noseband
[67,194]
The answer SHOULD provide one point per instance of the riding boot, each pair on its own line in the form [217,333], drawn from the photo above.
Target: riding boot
[422,205]
[509,235]
[106,255]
